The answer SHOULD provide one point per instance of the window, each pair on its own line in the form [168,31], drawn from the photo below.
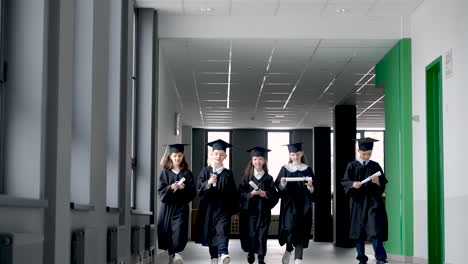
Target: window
[134,117]
[224,135]
[82,107]
[378,152]
[278,156]
[2,94]
[115,115]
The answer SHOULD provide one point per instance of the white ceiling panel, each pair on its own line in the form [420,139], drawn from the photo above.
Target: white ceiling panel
[310,103]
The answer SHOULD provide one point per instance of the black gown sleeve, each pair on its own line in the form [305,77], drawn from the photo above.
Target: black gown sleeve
[281,174]
[232,194]
[349,179]
[312,195]
[188,193]
[378,189]
[202,183]
[164,190]
[244,193]
[272,193]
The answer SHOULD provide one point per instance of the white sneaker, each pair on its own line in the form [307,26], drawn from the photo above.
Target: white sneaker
[286,257]
[214,261]
[171,259]
[178,259]
[298,261]
[225,259]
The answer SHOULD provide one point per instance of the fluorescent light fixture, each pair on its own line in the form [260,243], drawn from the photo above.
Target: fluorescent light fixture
[206,9]
[302,74]
[370,106]
[341,10]
[364,84]
[264,80]
[229,75]
[364,76]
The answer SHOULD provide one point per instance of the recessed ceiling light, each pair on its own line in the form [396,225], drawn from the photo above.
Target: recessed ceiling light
[341,10]
[206,9]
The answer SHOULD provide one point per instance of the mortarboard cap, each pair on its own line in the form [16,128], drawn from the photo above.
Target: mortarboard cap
[258,151]
[366,144]
[176,148]
[219,144]
[294,147]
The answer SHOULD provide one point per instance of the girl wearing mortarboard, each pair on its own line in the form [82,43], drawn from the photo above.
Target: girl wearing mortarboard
[176,190]
[258,196]
[295,221]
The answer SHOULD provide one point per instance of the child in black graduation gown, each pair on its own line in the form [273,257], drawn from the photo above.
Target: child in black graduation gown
[175,197]
[218,202]
[368,214]
[295,222]
[256,205]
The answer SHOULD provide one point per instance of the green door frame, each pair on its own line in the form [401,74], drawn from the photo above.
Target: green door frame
[435,163]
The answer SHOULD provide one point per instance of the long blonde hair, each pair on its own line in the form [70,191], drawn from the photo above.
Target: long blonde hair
[303,159]
[249,170]
[167,163]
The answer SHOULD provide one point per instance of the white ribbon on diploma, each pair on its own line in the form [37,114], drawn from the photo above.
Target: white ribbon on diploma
[298,179]
[180,182]
[254,186]
[370,177]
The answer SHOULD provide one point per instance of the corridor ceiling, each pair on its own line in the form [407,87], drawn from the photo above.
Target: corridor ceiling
[239,81]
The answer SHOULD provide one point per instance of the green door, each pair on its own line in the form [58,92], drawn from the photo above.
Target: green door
[435,164]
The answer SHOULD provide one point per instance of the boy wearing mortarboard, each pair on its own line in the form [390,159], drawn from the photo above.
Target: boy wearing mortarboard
[368,213]
[218,202]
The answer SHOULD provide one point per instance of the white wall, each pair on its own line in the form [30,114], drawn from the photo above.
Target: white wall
[168,105]
[436,27]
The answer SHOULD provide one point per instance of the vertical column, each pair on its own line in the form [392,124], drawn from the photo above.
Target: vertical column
[59,130]
[146,98]
[345,132]
[323,227]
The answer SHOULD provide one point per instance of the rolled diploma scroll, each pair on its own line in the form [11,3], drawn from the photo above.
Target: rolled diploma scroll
[370,177]
[214,184]
[296,179]
[180,182]
[254,186]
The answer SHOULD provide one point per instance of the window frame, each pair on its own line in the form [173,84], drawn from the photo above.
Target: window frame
[134,114]
[275,176]
[3,66]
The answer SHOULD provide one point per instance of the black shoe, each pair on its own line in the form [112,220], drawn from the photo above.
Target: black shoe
[362,262]
[261,262]
[251,258]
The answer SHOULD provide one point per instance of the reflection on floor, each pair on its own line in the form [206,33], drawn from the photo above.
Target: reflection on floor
[320,253]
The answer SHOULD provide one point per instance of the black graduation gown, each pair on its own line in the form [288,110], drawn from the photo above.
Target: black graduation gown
[367,208]
[295,220]
[255,213]
[173,217]
[217,205]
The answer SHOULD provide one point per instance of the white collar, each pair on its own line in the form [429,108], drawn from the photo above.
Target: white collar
[362,161]
[295,167]
[176,172]
[217,170]
[258,174]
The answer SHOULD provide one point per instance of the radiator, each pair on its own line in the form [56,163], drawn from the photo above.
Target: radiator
[116,238]
[235,225]
[149,237]
[77,255]
[274,224]
[21,248]
[138,241]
